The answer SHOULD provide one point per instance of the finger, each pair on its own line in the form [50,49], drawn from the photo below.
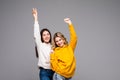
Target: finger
[33,9]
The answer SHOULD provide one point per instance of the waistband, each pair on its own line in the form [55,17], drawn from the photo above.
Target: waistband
[43,68]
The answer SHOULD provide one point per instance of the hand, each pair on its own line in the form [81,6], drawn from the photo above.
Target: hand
[51,51]
[68,21]
[35,13]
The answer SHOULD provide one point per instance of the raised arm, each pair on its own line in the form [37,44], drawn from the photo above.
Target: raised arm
[73,36]
[37,36]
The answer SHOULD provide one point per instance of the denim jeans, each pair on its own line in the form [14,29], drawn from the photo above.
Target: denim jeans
[46,74]
[59,77]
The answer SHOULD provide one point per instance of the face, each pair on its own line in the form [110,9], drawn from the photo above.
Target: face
[59,42]
[46,36]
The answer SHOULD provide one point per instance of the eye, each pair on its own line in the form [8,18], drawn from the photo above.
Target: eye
[60,39]
[43,34]
[48,34]
[56,41]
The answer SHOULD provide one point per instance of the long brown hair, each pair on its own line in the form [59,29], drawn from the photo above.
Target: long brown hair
[41,33]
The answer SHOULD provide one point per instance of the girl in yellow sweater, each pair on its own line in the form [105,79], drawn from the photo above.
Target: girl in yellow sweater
[62,58]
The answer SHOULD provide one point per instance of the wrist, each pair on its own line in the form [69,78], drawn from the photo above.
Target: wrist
[36,21]
[70,23]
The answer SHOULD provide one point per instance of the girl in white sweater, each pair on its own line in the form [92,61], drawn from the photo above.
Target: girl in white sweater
[43,47]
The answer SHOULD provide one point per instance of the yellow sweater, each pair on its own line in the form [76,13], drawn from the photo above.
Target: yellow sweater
[62,59]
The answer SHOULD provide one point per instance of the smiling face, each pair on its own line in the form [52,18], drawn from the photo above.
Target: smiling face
[46,36]
[60,42]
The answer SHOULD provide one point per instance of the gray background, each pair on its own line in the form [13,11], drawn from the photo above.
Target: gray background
[97,24]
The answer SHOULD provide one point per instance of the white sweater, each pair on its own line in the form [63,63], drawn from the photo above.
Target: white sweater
[43,49]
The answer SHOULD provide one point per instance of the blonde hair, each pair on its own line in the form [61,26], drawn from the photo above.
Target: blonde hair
[58,34]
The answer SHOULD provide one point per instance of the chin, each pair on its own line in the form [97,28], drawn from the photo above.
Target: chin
[46,41]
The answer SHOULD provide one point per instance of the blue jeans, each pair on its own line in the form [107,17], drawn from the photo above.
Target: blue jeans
[59,77]
[46,74]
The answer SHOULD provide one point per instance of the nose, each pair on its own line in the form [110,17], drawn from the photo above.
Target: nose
[59,43]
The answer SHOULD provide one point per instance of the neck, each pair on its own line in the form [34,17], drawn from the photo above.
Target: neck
[47,42]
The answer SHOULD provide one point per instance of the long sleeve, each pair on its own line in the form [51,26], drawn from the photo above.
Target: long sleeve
[37,36]
[73,37]
[53,62]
